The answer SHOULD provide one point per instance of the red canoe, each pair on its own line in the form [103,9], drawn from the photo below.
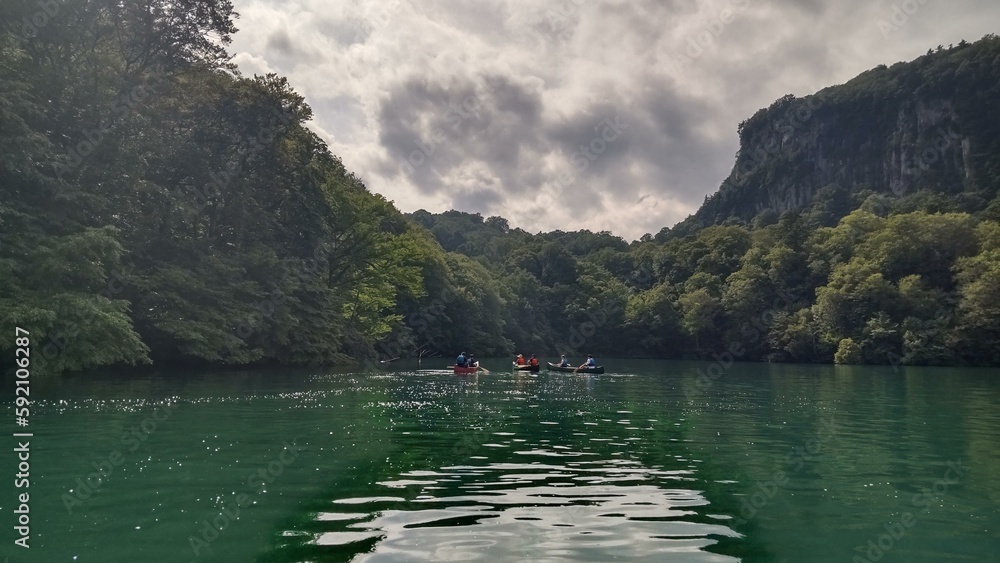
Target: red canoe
[464,371]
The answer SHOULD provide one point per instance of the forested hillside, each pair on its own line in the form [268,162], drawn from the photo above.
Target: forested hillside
[859,225]
[902,281]
[155,205]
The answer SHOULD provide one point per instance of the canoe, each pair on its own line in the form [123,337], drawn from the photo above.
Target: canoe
[525,367]
[464,371]
[598,369]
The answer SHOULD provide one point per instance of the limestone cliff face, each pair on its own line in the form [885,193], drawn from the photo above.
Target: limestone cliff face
[933,123]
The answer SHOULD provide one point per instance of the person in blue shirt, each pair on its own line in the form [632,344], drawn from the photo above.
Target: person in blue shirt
[460,361]
[564,363]
[590,363]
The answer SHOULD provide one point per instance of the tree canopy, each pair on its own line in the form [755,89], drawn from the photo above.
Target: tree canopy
[158,206]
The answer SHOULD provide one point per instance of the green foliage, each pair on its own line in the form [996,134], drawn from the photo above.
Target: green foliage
[922,244]
[902,288]
[978,311]
[854,290]
[848,353]
[155,205]
[701,313]
[652,319]
[881,340]
[795,337]
[162,207]
[478,312]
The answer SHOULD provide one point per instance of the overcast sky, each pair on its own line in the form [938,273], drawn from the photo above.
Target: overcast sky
[615,115]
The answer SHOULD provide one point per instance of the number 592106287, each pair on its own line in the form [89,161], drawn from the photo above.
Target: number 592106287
[22,358]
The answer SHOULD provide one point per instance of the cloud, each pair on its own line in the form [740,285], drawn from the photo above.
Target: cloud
[498,106]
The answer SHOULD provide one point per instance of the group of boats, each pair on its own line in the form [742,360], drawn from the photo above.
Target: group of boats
[549,366]
[553,367]
[461,370]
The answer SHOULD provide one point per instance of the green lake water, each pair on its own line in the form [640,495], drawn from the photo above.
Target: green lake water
[653,461]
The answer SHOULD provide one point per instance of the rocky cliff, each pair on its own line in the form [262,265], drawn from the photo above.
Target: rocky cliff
[933,123]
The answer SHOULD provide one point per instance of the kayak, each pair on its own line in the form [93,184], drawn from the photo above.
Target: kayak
[464,371]
[598,369]
[525,367]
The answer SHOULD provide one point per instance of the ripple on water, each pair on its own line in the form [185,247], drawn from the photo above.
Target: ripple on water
[584,509]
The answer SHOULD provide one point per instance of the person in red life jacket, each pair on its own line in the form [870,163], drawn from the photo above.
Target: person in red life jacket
[520,360]
[533,361]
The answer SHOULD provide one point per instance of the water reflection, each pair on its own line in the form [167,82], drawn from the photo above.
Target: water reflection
[770,463]
[521,468]
[581,510]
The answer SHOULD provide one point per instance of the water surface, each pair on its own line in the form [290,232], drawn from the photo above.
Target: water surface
[653,461]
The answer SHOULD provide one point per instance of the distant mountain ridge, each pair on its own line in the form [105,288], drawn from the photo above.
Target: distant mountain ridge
[930,124]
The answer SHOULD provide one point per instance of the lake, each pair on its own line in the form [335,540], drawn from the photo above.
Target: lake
[653,461]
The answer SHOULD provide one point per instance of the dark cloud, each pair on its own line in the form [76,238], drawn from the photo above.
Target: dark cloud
[432,131]
[280,43]
[346,31]
[286,51]
[478,200]
[484,106]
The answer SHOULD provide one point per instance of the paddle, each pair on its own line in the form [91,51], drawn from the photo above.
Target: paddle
[482,369]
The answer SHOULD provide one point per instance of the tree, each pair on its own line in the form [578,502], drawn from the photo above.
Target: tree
[796,337]
[848,353]
[653,321]
[978,311]
[881,340]
[856,292]
[701,313]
